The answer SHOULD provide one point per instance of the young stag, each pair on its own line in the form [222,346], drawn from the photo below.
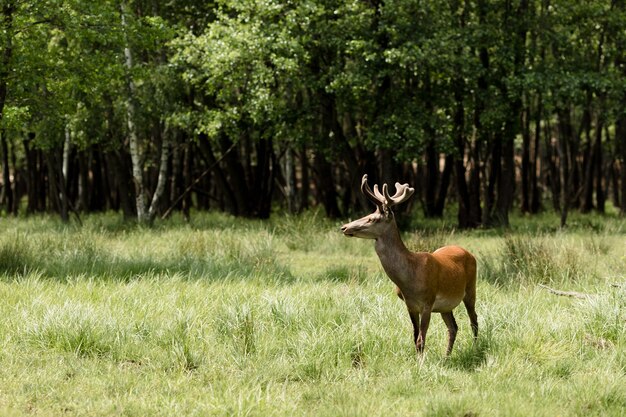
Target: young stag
[427,282]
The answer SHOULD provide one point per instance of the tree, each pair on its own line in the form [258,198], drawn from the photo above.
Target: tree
[141,105]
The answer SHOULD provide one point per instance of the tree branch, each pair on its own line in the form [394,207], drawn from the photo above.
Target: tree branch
[566,293]
[196,181]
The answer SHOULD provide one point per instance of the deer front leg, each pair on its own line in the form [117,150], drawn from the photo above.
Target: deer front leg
[415,320]
[424,322]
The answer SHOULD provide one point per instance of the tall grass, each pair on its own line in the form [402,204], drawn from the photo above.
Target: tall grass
[560,259]
[229,317]
[209,254]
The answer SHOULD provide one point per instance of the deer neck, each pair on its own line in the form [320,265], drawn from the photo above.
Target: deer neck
[394,256]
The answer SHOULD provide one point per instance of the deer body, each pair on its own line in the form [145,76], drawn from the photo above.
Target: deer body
[427,282]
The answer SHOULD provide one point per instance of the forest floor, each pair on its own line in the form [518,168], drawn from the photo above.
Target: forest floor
[222,316]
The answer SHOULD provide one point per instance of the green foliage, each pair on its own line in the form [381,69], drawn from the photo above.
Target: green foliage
[343,78]
[14,117]
[247,64]
[68,71]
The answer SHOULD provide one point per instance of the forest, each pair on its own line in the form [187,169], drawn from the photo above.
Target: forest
[146,107]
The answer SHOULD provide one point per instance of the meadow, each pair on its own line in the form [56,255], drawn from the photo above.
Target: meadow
[223,316]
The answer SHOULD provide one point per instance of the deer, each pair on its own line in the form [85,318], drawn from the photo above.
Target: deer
[427,282]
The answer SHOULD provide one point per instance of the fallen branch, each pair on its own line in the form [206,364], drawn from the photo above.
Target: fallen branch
[566,293]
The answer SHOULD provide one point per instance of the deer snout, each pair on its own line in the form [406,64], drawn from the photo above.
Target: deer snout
[345,231]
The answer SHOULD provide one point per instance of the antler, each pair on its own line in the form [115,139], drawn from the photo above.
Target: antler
[403,192]
[376,197]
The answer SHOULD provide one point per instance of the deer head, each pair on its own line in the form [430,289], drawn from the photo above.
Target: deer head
[382,220]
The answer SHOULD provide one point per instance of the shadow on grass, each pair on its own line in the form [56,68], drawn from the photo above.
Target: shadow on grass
[475,355]
[20,256]
[343,274]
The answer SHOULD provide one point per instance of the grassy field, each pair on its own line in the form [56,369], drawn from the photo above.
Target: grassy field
[231,317]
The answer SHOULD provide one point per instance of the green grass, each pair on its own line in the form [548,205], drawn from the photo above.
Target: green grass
[230,317]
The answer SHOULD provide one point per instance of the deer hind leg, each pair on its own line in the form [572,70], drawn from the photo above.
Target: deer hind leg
[448,318]
[470,305]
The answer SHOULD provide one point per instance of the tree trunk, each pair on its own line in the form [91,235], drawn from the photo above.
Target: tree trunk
[289,173]
[526,165]
[612,171]
[495,174]
[565,133]
[325,186]
[467,216]
[535,192]
[176,178]
[131,117]
[554,177]
[620,124]
[464,216]
[32,180]
[262,180]
[236,175]
[506,185]
[304,178]
[122,178]
[57,187]
[475,211]
[187,173]
[162,178]
[599,165]
[589,159]
[221,180]
[615,184]
[444,185]
[7,189]
[431,179]
[7,53]
[82,201]
[620,142]
[99,199]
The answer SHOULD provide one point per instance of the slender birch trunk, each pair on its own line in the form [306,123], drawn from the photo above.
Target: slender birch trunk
[135,148]
[160,187]
[66,153]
